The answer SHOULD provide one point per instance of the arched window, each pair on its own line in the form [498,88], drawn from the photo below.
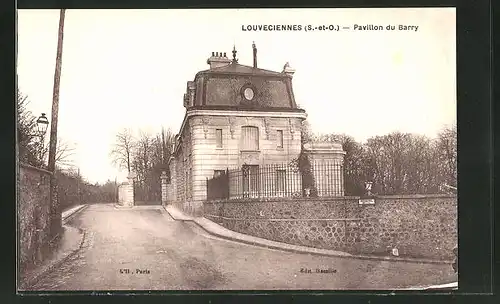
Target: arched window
[249,138]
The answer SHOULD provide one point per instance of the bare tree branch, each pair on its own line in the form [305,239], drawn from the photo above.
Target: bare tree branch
[121,153]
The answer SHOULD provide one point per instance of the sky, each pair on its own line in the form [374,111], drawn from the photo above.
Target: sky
[129,68]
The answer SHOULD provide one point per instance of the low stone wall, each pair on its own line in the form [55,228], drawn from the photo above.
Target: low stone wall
[33,215]
[420,226]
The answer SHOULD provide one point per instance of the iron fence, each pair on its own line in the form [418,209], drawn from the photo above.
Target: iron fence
[277,180]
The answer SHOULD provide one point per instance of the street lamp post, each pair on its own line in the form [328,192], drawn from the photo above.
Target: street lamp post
[42,124]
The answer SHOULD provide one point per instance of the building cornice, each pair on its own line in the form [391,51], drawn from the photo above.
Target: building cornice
[246,108]
[325,151]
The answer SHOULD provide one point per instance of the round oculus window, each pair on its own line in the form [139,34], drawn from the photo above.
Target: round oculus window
[248,93]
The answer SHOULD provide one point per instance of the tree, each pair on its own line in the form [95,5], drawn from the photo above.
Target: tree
[403,163]
[167,141]
[151,155]
[142,164]
[420,166]
[27,142]
[397,163]
[162,147]
[64,152]
[33,148]
[446,152]
[386,158]
[123,150]
[147,156]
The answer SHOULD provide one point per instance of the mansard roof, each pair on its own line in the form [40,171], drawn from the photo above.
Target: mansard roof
[229,84]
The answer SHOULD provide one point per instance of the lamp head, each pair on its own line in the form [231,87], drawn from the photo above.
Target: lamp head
[42,124]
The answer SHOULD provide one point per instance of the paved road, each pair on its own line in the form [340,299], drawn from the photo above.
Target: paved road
[145,249]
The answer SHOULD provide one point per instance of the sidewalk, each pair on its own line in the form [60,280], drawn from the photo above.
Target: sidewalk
[69,243]
[219,231]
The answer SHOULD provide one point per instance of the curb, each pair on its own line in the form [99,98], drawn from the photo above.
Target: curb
[306,250]
[72,214]
[117,206]
[28,282]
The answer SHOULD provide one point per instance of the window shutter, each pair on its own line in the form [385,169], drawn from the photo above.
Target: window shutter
[250,138]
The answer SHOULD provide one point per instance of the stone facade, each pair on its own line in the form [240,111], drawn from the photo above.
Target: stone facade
[197,160]
[207,158]
[33,215]
[418,226]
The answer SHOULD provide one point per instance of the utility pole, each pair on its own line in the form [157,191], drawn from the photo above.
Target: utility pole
[55,208]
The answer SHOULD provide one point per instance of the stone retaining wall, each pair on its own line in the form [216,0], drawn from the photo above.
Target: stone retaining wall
[33,216]
[420,226]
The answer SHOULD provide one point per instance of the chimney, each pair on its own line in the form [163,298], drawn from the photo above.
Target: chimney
[254,55]
[218,59]
[288,70]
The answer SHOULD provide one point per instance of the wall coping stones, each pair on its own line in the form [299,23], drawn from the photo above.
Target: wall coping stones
[284,199]
[324,147]
[30,167]
[289,219]
[331,199]
[414,196]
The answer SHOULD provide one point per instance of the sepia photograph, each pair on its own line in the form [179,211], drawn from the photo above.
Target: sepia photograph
[236,149]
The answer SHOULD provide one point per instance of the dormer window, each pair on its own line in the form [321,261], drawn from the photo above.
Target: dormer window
[248,93]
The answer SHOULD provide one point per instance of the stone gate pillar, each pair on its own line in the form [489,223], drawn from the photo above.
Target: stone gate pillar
[126,195]
[328,160]
[131,180]
[126,192]
[164,187]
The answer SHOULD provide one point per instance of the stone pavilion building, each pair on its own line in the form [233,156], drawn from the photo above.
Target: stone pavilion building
[236,116]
